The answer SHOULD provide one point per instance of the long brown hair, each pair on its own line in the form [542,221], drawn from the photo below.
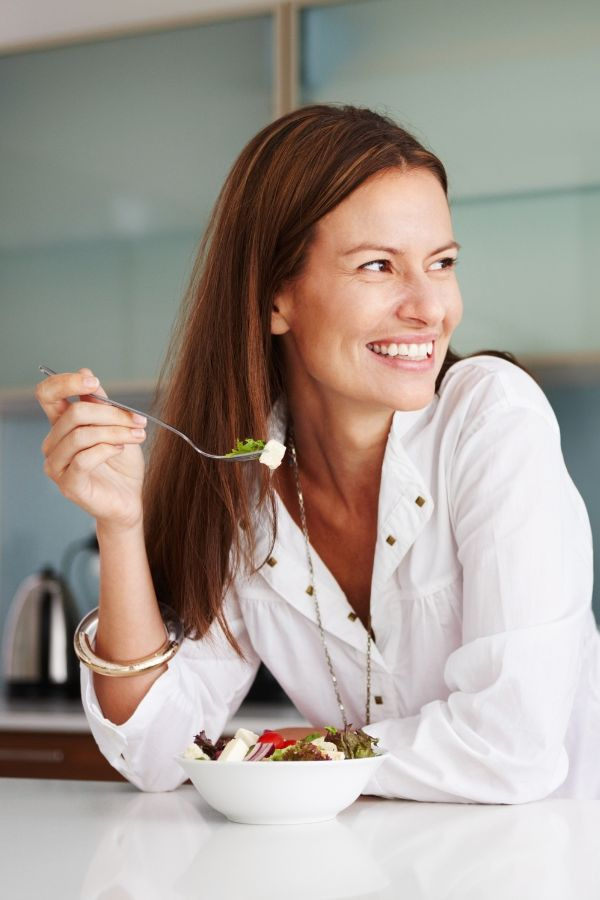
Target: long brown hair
[223,371]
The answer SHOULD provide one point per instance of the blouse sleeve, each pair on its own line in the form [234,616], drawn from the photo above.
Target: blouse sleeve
[523,541]
[202,688]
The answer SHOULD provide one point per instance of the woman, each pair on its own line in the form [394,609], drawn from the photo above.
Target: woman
[437,589]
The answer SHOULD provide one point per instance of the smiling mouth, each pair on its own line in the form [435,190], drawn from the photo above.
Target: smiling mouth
[413,352]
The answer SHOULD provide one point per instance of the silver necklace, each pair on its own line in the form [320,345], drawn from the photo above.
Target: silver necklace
[313,591]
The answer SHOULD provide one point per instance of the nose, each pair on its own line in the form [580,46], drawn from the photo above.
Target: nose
[422,301]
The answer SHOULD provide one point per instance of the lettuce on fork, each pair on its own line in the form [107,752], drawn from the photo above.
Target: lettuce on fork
[272,452]
[249,445]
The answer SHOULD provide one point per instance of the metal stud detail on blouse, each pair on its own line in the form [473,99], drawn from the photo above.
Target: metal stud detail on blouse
[390,539]
[420,501]
[271,561]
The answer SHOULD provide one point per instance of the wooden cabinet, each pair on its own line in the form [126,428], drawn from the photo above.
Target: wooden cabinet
[47,754]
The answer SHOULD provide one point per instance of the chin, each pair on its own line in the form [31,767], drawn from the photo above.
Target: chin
[410,401]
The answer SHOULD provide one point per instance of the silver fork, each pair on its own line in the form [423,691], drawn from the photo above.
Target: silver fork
[239,457]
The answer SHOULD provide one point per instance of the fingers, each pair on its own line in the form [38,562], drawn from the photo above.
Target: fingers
[84,434]
[74,448]
[76,476]
[79,427]
[80,417]
[52,394]
[97,392]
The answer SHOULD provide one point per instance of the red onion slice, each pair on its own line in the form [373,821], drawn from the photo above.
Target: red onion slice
[259,751]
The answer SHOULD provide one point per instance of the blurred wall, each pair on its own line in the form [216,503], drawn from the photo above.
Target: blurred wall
[24,22]
[113,151]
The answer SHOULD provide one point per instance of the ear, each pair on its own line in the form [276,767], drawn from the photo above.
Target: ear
[279,313]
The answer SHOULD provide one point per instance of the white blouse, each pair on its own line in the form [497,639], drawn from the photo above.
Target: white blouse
[486,661]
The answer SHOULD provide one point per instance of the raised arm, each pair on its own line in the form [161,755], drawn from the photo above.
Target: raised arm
[93,455]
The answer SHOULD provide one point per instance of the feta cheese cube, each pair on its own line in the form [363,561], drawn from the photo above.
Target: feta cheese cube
[194,752]
[234,751]
[272,454]
[243,734]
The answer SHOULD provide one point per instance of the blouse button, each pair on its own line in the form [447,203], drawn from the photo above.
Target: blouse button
[378,699]
[390,539]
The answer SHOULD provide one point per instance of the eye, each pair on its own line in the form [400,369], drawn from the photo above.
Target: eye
[448,262]
[376,262]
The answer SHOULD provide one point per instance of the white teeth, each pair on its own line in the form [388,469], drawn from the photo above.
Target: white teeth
[408,351]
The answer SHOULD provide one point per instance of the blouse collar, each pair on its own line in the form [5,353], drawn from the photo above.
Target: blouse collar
[403,421]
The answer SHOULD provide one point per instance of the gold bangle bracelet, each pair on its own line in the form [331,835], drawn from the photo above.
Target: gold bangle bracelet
[86,632]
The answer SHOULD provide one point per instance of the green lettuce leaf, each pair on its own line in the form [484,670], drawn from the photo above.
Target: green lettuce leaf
[297,752]
[249,445]
[353,743]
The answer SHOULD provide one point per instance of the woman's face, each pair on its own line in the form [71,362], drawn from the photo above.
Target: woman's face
[369,319]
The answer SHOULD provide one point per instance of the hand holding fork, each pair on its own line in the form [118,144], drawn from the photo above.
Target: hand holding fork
[93,449]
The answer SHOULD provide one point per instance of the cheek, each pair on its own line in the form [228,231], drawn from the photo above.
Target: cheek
[327,346]
[316,332]
[455,311]
[332,323]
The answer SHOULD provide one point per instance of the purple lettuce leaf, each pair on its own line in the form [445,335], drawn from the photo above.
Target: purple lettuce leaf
[212,750]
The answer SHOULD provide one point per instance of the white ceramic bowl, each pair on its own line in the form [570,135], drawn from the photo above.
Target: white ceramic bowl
[280,793]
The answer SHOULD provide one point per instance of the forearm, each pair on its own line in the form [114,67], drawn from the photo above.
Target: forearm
[130,624]
[202,688]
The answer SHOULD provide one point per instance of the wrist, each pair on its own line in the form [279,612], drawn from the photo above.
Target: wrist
[108,532]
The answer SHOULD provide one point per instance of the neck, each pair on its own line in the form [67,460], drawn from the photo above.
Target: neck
[340,447]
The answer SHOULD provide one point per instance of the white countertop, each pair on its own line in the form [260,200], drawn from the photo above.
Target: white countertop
[68,716]
[89,840]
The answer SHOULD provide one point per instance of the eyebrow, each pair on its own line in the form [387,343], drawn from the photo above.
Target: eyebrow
[394,251]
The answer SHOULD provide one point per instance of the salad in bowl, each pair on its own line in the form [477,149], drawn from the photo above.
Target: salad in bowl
[273,747]
[239,778]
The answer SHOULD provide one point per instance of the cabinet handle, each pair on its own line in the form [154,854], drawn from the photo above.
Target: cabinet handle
[10,754]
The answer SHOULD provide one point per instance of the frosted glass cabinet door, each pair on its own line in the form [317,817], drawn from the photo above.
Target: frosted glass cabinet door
[507,95]
[527,272]
[111,156]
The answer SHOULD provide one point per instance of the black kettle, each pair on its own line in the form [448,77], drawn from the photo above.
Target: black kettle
[37,653]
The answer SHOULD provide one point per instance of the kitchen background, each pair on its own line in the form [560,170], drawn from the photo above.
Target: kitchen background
[119,125]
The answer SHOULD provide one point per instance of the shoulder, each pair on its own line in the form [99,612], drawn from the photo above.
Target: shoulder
[482,386]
